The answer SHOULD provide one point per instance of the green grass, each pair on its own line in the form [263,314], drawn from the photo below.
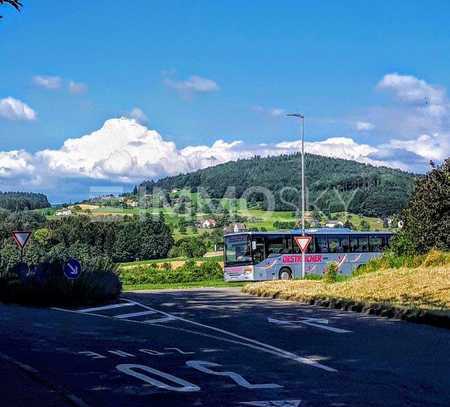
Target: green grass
[195,284]
[167,260]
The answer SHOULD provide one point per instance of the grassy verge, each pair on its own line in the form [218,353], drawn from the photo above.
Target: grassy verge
[194,284]
[420,294]
[175,261]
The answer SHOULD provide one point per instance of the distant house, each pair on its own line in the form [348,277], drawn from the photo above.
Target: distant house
[131,203]
[334,224]
[208,224]
[63,212]
[235,228]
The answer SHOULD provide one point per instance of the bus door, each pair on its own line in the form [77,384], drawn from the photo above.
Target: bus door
[258,249]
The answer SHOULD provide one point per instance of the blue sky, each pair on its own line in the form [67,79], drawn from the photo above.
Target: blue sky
[327,59]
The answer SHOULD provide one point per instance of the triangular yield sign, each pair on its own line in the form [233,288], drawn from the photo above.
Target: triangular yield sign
[303,242]
[21,238]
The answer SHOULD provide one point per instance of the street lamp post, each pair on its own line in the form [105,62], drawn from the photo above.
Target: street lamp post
[302,121]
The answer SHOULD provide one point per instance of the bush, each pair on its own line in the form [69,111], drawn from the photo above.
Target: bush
[189,272]
[331,274]
[45,284]
[391,260]
[436,258]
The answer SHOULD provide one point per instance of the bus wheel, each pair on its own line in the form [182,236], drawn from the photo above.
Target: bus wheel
[285,274]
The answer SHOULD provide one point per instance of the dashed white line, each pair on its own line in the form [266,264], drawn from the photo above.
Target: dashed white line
[134,314]
[106,307]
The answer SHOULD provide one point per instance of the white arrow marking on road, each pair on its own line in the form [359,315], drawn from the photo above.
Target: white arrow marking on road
[315,322]
[273,403]
[280,322]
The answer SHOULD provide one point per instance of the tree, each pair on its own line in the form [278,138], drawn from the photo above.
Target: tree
[15,3]
[427,216]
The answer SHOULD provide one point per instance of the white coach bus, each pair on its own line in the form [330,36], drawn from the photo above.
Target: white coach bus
[256,256]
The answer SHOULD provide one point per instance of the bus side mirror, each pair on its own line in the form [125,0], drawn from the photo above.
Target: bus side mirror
[253,245]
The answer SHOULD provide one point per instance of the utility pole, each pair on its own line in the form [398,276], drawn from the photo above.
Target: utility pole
[301,117]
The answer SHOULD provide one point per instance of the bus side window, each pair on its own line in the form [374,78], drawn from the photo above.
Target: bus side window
[354,246]
[321,244]
[338,244]
[312,246]
[275,245]
[295,248]
[333,244]
[345,244]
[375,243]
[363,243]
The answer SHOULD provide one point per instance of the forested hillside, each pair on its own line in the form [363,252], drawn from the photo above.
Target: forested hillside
[333,184]
[18,201]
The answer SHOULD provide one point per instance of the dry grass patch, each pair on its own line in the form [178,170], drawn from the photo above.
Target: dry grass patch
[423,288]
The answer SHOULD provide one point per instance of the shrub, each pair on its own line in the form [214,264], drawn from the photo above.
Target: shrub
[436,258]
[189,272]
[45,284]
[331,274]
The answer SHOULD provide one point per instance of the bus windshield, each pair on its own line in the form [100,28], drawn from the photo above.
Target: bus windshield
[237,250]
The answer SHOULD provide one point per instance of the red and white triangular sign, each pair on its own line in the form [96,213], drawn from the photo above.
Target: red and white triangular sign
[303,242]
[21,238]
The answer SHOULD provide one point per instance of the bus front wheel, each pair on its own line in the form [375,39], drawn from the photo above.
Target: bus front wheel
[285,274]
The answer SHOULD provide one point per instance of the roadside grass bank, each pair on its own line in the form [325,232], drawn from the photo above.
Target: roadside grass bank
[418,293]
[175,262]
[193,284]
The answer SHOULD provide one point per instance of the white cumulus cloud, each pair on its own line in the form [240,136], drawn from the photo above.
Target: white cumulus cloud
[194,84]
[408,88]
[47,82]
[125,151]
[14,109]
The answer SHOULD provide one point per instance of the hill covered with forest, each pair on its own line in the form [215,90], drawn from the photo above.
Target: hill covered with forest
[333,184]
[19,201]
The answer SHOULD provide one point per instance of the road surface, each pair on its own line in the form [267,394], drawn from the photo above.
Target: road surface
[218,347]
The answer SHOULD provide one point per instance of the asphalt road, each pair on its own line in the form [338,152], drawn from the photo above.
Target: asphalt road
[217,347]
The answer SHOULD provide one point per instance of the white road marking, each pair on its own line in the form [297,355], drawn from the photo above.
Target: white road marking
[203,366]
[273,403]
[183,385]
[105,307]
[242,340]
[121,353]
[315,322]
[158,320]
[251,343]
[134,314]
[93,355]
[180,351]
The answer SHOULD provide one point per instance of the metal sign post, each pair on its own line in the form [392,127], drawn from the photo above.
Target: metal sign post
[302,121]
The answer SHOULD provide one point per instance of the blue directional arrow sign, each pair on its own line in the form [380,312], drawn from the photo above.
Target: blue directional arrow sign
[72,269]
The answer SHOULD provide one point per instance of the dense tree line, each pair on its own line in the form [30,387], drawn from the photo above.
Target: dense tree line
[78,236]
[19,201]
[332,183]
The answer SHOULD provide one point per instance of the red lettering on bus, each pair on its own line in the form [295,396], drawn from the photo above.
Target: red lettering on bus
[297,258]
